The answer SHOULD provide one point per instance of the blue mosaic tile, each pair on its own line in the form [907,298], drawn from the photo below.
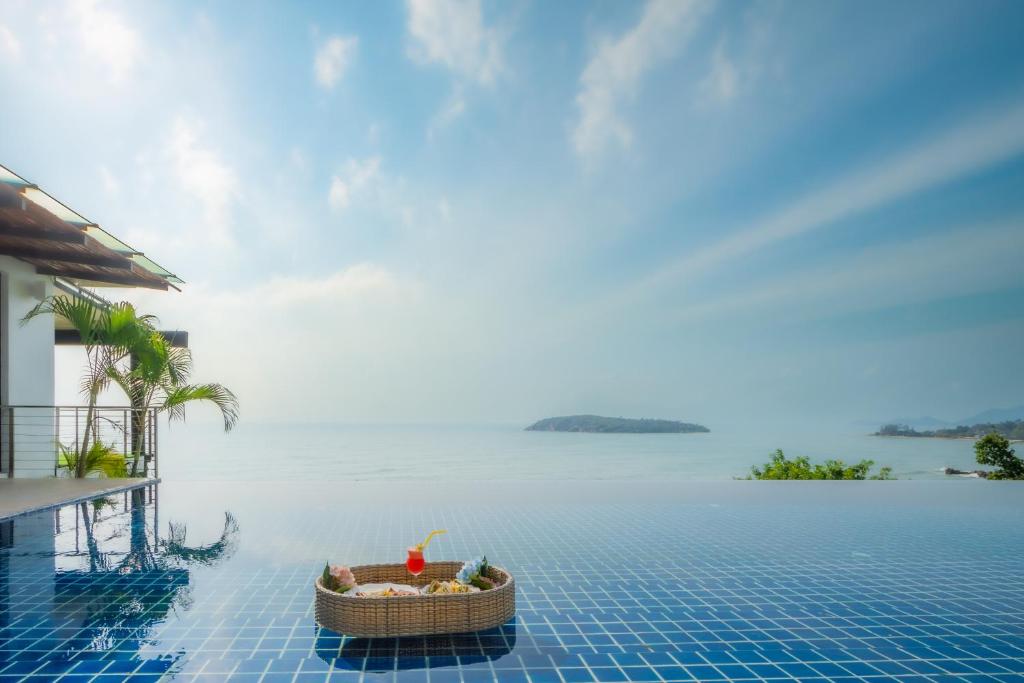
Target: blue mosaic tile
[775,590]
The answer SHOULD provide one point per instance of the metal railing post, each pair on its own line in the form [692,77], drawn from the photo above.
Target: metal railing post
[10,442]
[56,440]
[41,433]
[156,457]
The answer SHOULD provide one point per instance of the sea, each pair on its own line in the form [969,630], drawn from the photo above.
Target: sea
[256,451]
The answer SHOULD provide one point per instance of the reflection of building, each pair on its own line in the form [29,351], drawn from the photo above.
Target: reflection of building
[96,577]
[46,249]
[68,567]
[26,554]
[107,577]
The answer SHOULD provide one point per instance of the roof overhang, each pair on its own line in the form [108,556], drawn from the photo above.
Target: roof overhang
[65,334]
[39,230]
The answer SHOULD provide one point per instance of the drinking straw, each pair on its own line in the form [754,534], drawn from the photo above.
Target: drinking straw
[421,546]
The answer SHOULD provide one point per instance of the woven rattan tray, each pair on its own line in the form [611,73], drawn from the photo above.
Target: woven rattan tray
[415,615]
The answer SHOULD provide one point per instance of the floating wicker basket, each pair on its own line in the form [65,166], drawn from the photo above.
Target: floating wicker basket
[416,615]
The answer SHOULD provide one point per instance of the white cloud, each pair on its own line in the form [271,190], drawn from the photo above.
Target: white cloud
[745,59]
[445,209]
[616,69]
[355,177]
[922,269]
[203,174]
[297,159]
[373,133]
[452,109]
[106,37]
[338,194]
[333,59]
[10,46]
[110,184]
[345,322]
[956,153]
[723,80]
[352,285]
[452,33]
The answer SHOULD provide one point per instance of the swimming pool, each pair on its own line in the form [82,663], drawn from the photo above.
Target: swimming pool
[728,581]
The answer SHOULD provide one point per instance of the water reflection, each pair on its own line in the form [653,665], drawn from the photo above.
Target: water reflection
[387,654]
[96,578]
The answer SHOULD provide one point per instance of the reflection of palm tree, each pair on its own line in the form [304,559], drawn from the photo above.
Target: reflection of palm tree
[172,552]
[150,580]
[224,547]
[97,560]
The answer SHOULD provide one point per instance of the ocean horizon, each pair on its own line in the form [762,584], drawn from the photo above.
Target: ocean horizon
[379,451]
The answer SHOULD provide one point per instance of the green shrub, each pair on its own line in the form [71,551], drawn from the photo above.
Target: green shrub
[994,449]
[99,459]
[780,467]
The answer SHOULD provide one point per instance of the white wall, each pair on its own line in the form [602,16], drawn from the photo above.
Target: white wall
[27,368]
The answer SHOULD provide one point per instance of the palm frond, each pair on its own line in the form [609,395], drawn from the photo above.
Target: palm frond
[177,397]
[126,330]
[84,317]
[179,365]
[121,378]
[99,459]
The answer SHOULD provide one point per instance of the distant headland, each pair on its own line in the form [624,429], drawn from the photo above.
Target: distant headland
[614,425]
[1011,429]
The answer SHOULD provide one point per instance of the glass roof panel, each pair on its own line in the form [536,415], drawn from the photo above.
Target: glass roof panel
[37,196]
[108,240]
[154,267]
[64,213]
[12,179]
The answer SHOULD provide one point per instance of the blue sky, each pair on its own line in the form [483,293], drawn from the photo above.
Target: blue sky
[460,211]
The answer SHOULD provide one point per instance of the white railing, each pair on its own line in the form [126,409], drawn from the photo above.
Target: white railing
[32,438]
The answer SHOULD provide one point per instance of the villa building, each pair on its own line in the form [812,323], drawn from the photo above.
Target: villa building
[47,248]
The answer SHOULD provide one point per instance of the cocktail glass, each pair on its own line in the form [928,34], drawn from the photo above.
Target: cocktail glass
[415,562]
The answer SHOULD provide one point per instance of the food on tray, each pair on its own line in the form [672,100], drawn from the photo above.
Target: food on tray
[471,578]
[384,590]
[438,587]
[337,578]
[386,593]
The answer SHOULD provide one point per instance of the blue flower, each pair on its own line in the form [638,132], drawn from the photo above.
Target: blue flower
[470,570]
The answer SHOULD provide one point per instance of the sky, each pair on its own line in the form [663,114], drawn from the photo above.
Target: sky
[464,211]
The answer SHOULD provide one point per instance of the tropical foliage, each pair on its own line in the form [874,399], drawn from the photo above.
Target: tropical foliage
[124,347]
[994,449]
[780,467]
[158,378]
[98,459]
[108,334]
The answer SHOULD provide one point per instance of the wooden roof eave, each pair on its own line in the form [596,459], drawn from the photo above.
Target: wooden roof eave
[57,248]
[133,277]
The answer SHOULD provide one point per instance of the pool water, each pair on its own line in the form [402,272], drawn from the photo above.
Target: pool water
[637,581]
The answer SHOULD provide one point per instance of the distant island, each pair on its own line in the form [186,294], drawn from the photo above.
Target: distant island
[992,416]
[1011,429]
[614,425]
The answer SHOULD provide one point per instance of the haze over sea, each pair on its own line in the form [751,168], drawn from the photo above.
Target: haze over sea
[345,452]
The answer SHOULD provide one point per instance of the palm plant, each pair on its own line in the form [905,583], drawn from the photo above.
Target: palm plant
[99,459]
[157,378]
[109,334]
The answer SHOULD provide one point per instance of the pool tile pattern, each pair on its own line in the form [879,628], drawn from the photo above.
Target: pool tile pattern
[606,592]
